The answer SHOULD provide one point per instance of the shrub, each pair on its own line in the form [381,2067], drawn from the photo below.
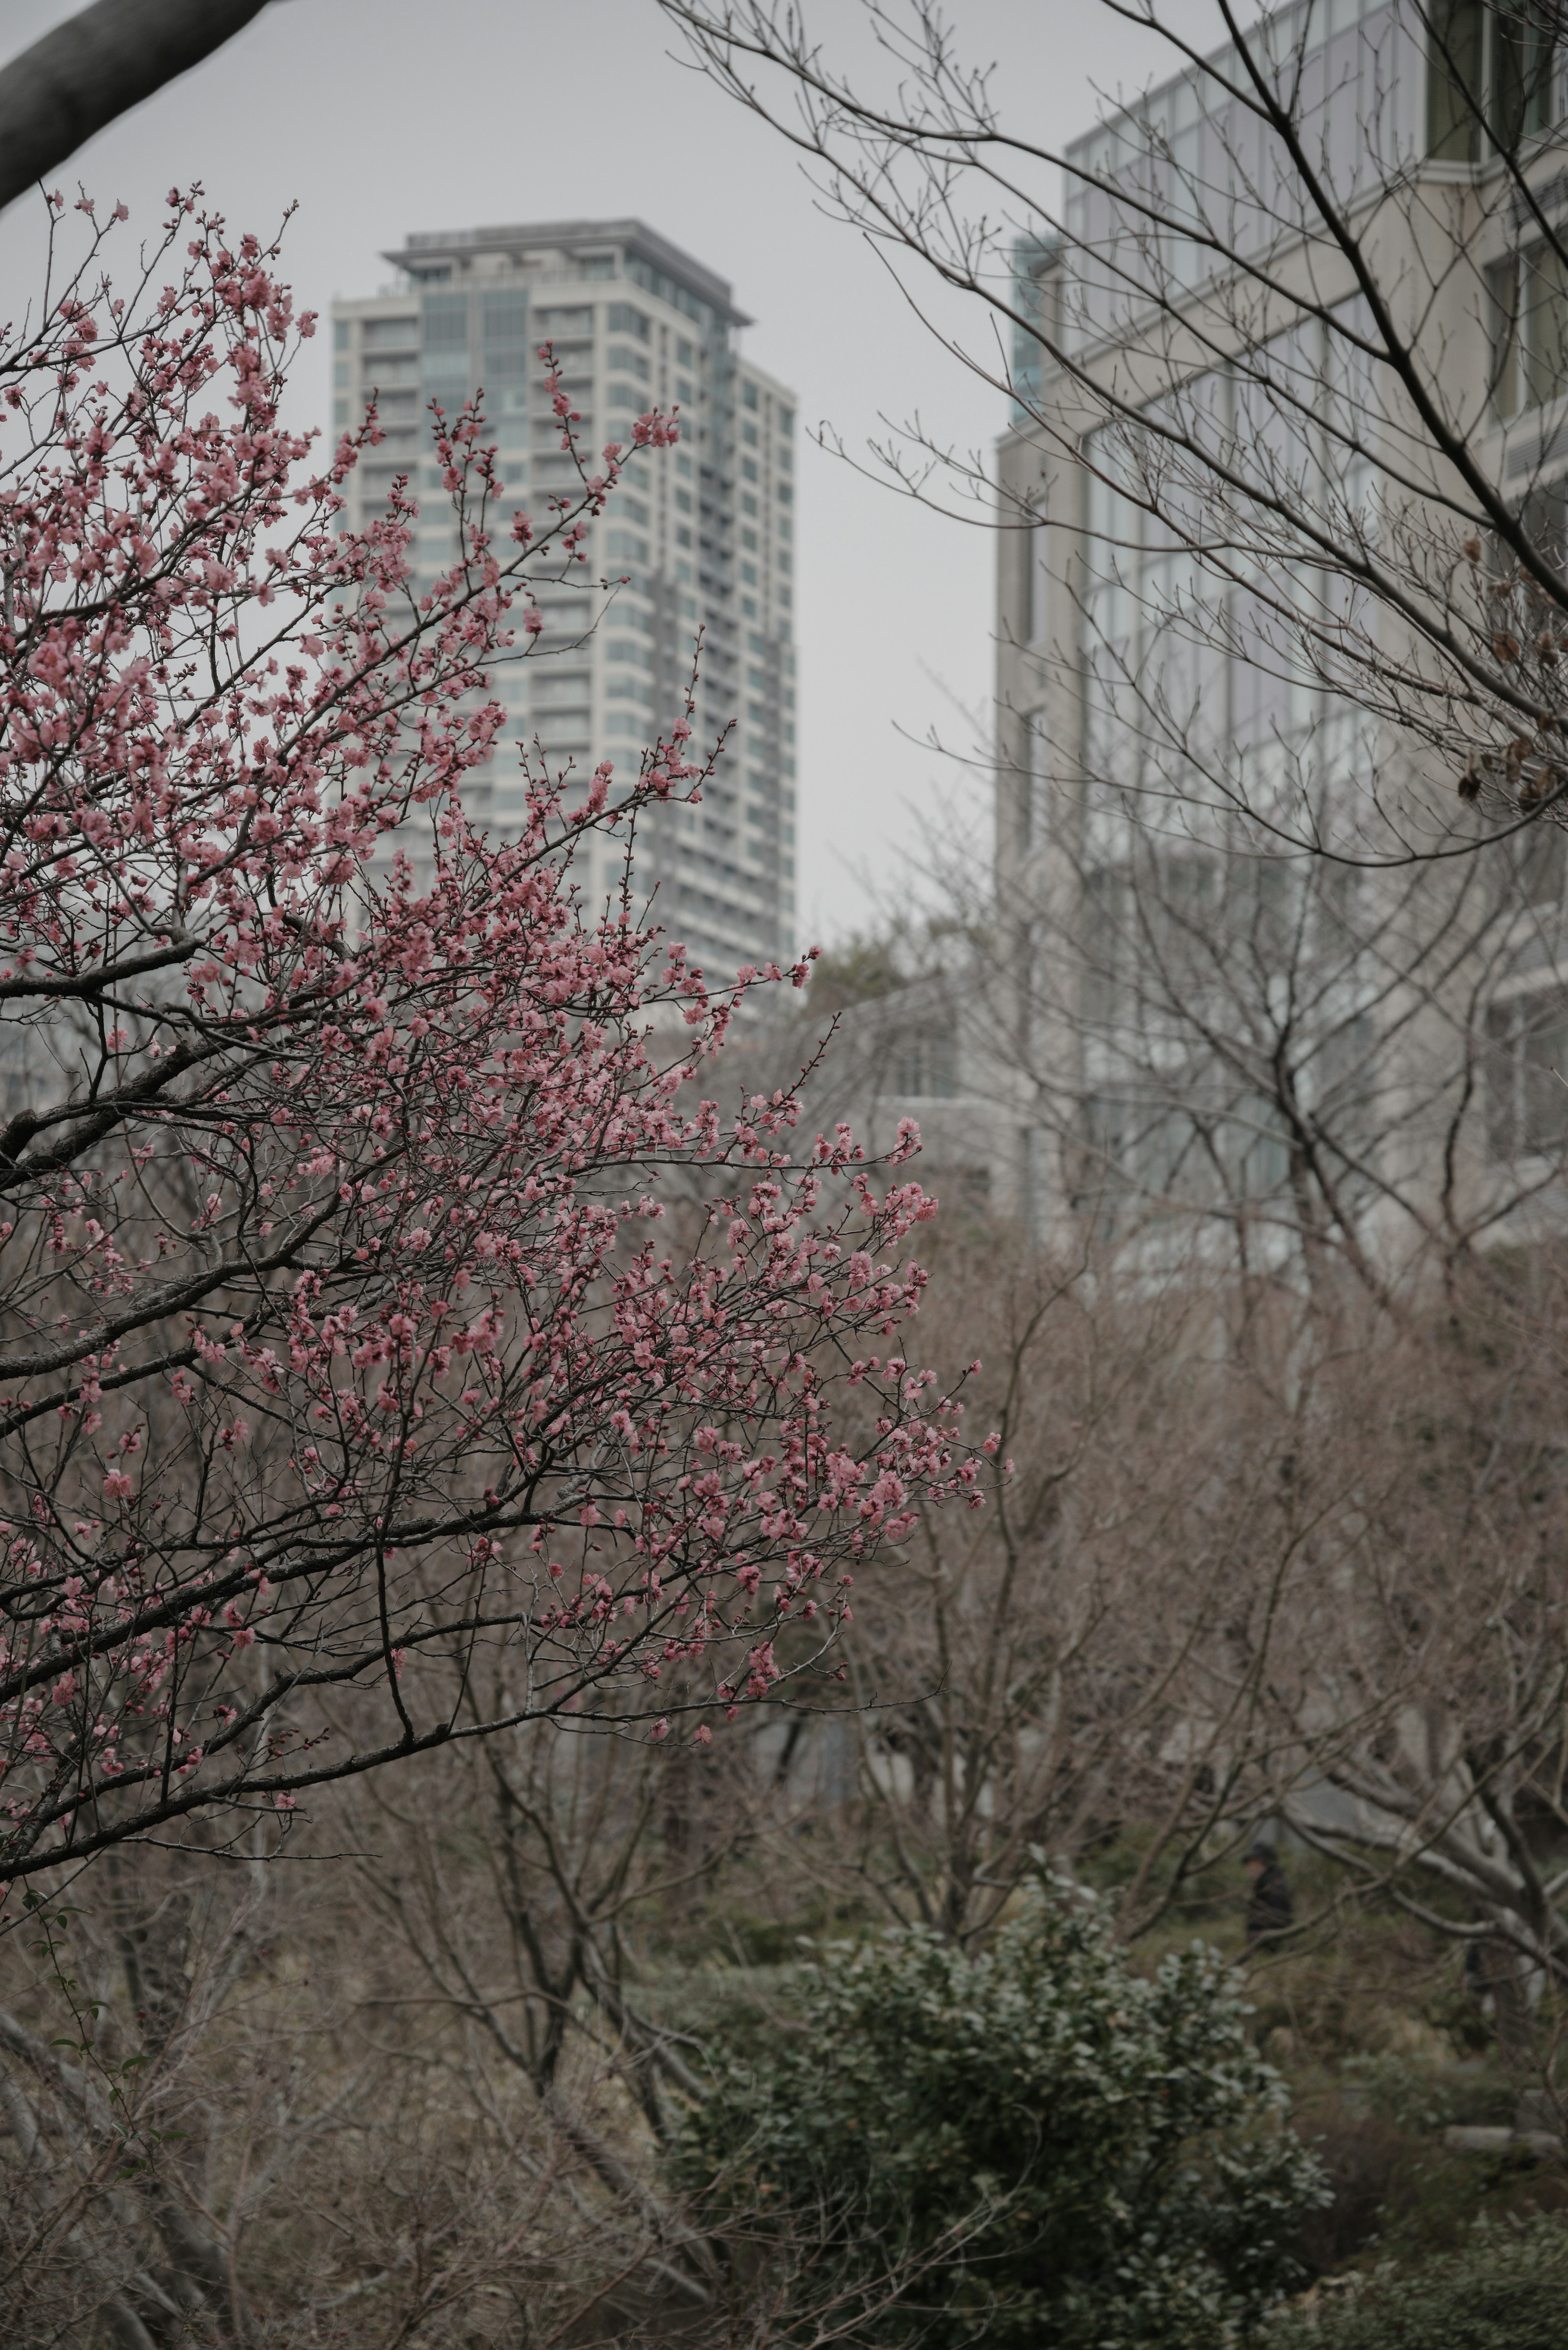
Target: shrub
[1031,2145]
[1507,2291]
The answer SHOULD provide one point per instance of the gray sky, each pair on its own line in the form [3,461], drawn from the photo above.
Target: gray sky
[383,116]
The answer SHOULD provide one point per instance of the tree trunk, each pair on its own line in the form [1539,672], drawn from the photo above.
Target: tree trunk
[96,66]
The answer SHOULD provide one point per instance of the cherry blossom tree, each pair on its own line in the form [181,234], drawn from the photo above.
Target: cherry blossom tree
[346,1339]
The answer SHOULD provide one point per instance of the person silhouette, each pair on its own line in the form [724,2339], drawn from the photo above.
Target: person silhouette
[1270,1908]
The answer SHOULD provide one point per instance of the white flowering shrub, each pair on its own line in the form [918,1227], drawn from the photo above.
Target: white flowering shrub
[1032,2144]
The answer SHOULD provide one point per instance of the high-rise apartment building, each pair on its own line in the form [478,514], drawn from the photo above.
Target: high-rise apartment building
[701,536]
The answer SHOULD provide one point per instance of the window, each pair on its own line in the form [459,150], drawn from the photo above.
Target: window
[1503,304]
[1489,64]
[1529,300]
[1540,855]
[506,363]
[445,321]
[1034,778]
[398,367]
[1036,580]
[622,319]
[506,317]
[340,334]
[749,394]
[925,1065]
[559,322]
[389,333]
[1527,1039]
[559,686]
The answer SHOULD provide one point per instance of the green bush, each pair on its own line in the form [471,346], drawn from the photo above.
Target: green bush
[1507,2291]
[1031,2146]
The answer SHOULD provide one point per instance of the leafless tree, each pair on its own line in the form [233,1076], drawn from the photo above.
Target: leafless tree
[222,2126]
[1253,1561]
[415,2089]
[1299,320]
[1281,516]
[1302,1070]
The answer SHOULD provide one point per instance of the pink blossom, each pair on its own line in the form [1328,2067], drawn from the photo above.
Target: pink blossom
[390,1245]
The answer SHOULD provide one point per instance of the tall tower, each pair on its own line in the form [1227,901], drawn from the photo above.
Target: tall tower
[703,535]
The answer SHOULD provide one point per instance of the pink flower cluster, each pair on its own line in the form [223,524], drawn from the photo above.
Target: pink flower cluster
[351,1335]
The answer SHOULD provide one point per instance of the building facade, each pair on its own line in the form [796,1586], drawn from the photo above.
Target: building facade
[1185,1026]
[698,541]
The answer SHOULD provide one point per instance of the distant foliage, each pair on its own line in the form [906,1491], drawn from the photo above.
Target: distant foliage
[1030,2145]
[1506,2292]
[858,969]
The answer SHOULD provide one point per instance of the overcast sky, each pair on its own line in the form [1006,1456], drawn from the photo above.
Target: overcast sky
[377,117]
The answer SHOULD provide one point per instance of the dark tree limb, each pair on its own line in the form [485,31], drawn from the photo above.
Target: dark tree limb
[96,66]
